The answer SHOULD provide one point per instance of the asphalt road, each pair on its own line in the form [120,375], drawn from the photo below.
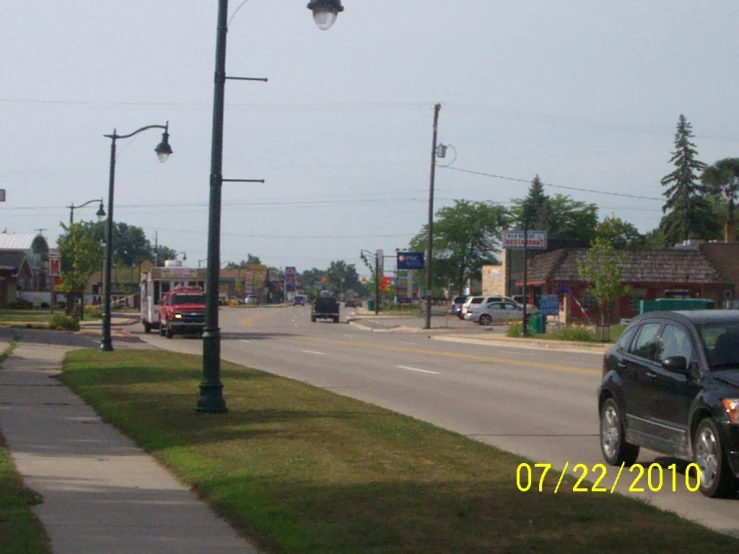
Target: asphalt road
[540,404]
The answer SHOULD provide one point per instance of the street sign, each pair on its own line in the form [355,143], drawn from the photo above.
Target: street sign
[549,304]
[410,260]
[290,279]
[380,255]
[514,240]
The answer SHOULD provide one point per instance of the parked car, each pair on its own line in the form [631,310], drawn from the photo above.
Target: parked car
[671,384]
[476,300]
[498,312]
[457,302]
[252,299]
[299,301]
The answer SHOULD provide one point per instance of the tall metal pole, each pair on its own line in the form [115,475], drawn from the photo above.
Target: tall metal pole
[377,285]
[430,237]
[106,342]
[211,389]
[525,274]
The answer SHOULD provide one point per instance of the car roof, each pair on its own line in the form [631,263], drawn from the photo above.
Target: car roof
[696,317]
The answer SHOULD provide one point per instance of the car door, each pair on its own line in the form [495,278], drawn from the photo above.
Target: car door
[671,394]
[635,364]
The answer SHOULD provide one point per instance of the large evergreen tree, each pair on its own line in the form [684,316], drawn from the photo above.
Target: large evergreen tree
[536,208]
[688,213]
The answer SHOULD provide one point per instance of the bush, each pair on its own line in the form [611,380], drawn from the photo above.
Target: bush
[20,304]
[93,312]
[581,334]
[44,305]
[514,330]
[64,322]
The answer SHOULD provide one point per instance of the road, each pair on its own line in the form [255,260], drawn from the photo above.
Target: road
[540,404]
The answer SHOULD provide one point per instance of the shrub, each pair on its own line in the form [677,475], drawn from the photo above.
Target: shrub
[64,322]
[582,334]
[514,330]
[93,312]
[44,305]
[20,304]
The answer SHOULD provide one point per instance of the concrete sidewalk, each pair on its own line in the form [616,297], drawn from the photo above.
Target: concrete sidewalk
[101,493]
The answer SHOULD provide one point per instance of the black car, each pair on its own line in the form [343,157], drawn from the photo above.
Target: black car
[299,301]
[671,384]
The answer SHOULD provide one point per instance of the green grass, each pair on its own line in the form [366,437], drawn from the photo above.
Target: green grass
[300,469]
[20,530]
[30,316]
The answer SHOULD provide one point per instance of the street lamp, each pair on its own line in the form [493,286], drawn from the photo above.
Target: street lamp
[100,213]
[184,255]
[211,398]
[364,254]
[163,151]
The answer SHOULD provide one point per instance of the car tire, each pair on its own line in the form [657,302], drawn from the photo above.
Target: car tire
[613,445]
[485,319]
[336,319]
[716,478]
[313,319]
[168,332]
[161,329]
[147,327]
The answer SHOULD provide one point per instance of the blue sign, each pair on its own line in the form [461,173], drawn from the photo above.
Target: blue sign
[549,304]
[410,260]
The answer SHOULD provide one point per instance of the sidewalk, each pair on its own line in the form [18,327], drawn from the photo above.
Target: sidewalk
[101,493]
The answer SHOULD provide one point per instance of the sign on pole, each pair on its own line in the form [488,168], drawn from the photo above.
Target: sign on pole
[290,279]
[410,260]
[514,240]
[380,255]
[549,304]
[55,267]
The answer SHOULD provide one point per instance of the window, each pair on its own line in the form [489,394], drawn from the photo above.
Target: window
[625,339]
[645,345]
[675,342]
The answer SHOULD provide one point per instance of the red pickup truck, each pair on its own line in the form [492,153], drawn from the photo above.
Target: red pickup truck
[182,311]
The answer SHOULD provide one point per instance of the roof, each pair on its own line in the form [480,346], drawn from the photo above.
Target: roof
[639,266]
[12,260]
[16,241]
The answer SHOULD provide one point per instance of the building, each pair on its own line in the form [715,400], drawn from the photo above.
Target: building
[24,266]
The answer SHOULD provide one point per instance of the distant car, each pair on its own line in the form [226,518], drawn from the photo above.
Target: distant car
[457,303]
[671,384]
[479,300]
[252,299]
[498,312]
[299,301]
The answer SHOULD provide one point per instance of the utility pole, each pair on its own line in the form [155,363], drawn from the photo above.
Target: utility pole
[430,237]
[525,273]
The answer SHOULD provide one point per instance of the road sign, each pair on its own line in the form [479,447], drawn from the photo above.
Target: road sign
[549,304]
[290,274]
[410,260]
[514,240]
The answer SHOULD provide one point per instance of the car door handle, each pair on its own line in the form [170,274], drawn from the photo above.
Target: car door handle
[651,375]
[621,365]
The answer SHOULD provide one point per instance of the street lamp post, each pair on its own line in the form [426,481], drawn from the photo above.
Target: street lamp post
[211,398]
[100,213]
[163,150]
[374,257]
[430,229]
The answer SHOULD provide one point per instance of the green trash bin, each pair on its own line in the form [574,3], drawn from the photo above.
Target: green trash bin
[536,326]
[371,305]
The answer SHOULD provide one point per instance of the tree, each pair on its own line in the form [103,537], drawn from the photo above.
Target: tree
[722,178]
[81,256]
[536,208]
[619,233]
[466,237]
[163,254]
[687,211]
[603,269]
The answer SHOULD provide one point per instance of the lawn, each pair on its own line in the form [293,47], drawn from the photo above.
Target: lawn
[300,469]
[26,316]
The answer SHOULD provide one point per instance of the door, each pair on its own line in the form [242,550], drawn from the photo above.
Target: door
[637,364]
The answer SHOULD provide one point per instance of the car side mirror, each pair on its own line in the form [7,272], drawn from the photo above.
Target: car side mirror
[676,364]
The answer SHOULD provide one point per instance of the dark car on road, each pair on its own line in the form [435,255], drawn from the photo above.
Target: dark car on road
[299,301]
[671,384]
[325,307]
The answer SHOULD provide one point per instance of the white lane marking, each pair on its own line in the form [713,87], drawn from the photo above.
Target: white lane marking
[419,370]
[406,342]
[314,352]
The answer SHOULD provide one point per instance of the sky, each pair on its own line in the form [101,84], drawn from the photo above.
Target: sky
[584,93]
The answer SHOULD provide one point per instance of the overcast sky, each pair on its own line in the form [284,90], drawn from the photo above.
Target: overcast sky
[584,93]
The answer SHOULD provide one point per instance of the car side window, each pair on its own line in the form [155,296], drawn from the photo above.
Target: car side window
[510,306]
[675,341]
[625,339]
[645,344]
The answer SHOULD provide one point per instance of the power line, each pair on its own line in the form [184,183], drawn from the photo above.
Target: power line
[528,181]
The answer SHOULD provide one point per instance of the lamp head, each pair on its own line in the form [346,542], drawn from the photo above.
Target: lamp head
[101,212]
[163,149]
[325,12]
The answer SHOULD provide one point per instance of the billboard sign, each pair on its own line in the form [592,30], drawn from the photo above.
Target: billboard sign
[55,267]
[290,274]
[514,240]
[410,260]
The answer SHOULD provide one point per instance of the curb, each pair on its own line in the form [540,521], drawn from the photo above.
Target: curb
[561,346]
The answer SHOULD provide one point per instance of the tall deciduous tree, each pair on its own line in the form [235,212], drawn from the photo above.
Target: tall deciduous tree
[466,237]
[619,233]
[722,178]
[81,255]
[688,213]
[603,268]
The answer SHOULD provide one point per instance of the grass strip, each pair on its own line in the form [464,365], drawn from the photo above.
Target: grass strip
[25,316]
[300,469]
[8,351]
[21,531]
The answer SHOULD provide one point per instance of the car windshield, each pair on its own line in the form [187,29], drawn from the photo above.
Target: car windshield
[722,345]
[187,299]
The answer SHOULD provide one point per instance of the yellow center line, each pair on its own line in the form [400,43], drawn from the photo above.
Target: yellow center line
[472,357]
[248,321]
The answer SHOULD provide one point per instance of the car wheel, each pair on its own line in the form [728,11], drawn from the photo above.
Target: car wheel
[161,329]
[168,332]
[147,327]
[613,445]
[313,319]
[336,319]
[716,479]
[485,319]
